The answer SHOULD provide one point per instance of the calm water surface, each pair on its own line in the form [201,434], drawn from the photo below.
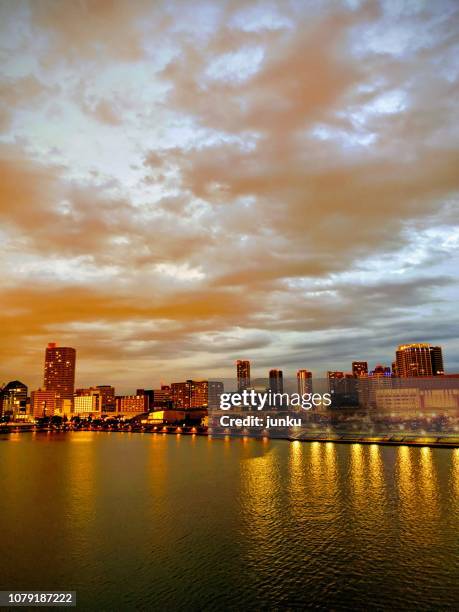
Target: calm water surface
[134,521]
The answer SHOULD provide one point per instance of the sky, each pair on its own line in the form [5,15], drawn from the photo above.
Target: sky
[184,184]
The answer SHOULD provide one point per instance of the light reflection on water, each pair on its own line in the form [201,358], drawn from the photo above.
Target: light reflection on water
[163,521]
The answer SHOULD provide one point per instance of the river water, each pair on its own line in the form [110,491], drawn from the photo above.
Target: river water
[140,521]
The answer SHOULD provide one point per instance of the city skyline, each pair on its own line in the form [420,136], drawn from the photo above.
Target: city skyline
[60,378]
[187,184]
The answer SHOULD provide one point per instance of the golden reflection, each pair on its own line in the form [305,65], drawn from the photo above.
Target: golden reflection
[376,466]
[81,485]
[83,436]
[331,472]
[330,459]
[297,475]
[376,492]
[321,481]
[428,480]
[418,490]
[455,474]
[357,476]
[158,466]
[405,476]
[315,471]
[261,505]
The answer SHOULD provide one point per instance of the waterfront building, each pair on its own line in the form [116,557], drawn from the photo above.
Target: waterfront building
[166,417]
[190,394]
[149,393]
[367,386]
[419,359]
[162,397]
[44,403]
[216,388]
[107,395]
[359,368]
[343,388]
[95,400]
[436,357]
[276,381]
[131,405]
[13,400]
[85,404]
[59,372]
[243,374]
[304,381]
[409,400]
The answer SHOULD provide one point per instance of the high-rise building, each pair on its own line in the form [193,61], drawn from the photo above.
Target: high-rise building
[14,399]
[334,380]
[59,375]
[304,380]
[343,387]
[107,393]
[359,368]
[199,393]
[149,393]
[216,388]
[180,395]
[190,394]
[419,359]
[162,397]
[243,374]
[43,403]
[436,358]
[276,381]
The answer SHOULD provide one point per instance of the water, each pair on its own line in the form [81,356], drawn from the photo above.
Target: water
[134,521]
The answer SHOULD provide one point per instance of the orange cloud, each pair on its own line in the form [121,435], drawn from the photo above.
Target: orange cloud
[260,181]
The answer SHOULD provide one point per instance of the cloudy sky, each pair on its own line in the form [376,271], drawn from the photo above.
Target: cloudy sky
[183,184]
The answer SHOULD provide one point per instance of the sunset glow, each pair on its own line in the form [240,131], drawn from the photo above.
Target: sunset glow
[185,184]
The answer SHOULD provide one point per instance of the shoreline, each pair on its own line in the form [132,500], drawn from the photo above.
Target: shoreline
[408,439]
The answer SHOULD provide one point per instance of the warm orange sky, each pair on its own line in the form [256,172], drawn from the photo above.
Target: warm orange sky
[183,184]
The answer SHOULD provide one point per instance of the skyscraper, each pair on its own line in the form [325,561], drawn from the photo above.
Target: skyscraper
[276,381]
[107,393]
[216,388]
[436,358]
[243,374]
[419,359]
[334,380]
[343,386]
[162,397]
[304,380]
[190,394]
[59,373]
[359,368]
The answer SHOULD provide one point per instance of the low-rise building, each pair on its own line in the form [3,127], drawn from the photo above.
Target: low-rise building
[131,405]
[44,403]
